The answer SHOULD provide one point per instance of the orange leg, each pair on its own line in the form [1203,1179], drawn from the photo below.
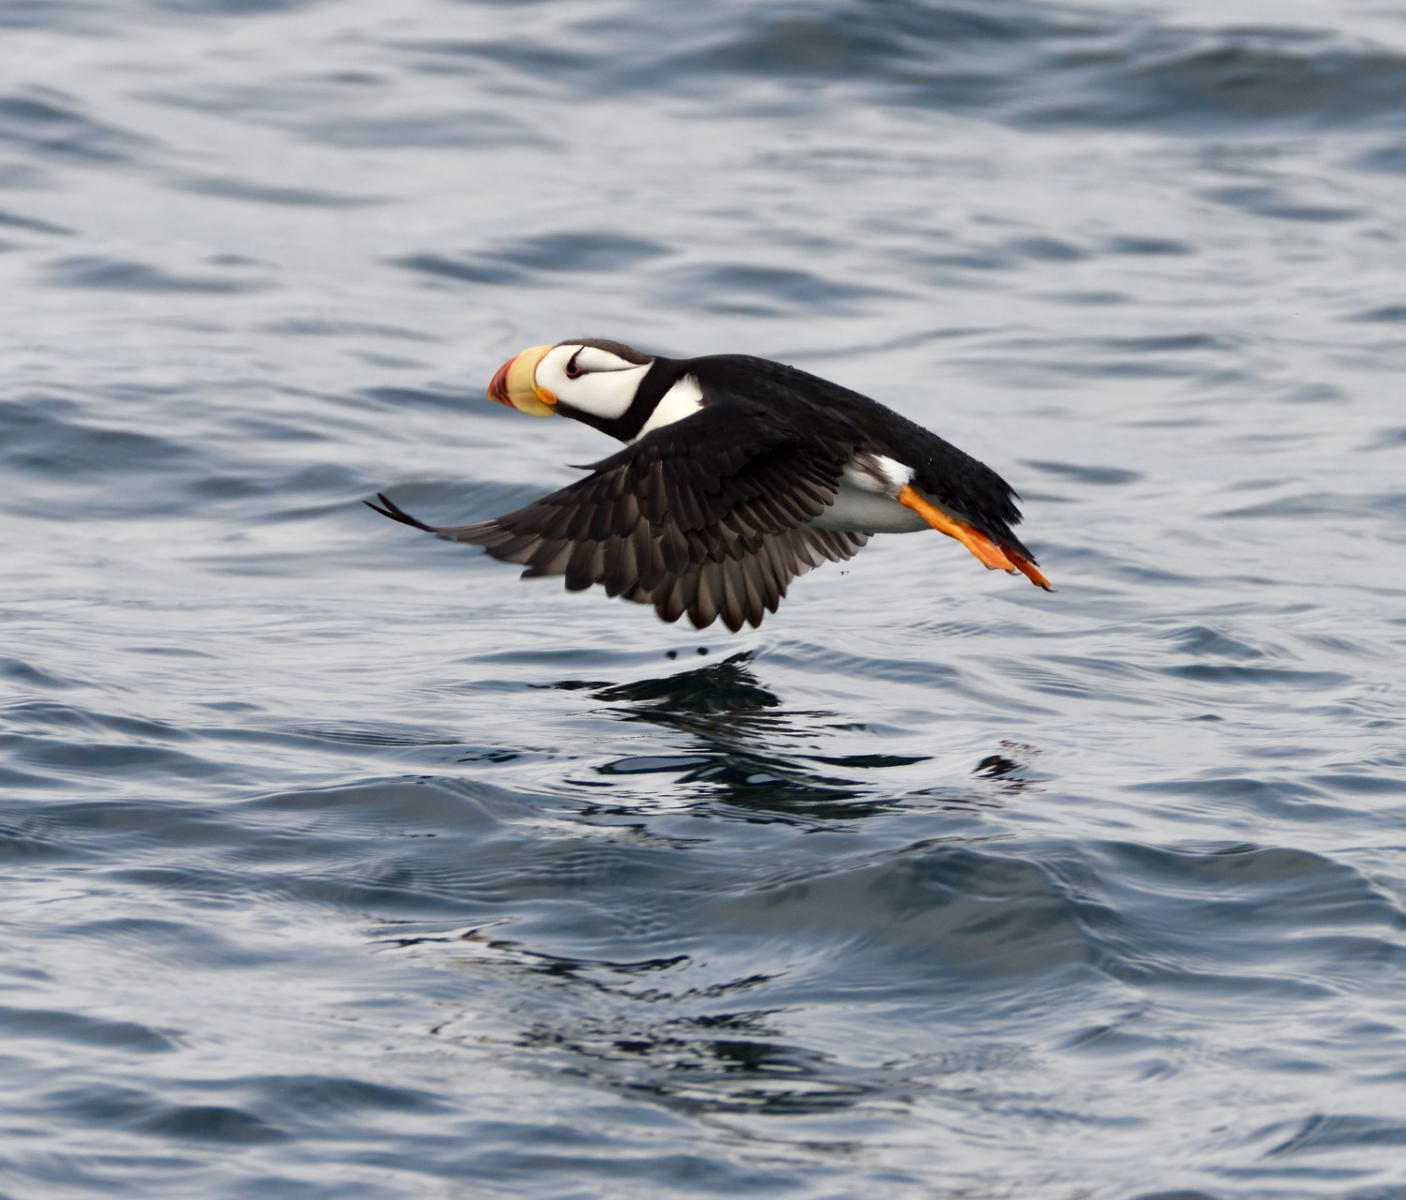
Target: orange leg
[1030,571]
[987,552]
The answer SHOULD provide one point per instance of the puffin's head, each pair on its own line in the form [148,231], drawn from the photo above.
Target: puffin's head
[585,376]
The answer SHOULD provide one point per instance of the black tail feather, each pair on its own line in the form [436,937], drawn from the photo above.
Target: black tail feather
[389,508]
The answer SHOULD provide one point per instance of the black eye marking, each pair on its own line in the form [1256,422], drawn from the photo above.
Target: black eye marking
[572,370]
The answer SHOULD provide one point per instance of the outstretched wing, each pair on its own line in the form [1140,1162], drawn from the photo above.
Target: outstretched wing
[706,517]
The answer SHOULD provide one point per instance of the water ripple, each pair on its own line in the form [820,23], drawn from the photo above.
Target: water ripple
[340,862]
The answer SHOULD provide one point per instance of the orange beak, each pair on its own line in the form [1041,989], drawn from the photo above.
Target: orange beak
[515,384]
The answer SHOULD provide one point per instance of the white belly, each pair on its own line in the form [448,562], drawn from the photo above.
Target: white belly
[862,510]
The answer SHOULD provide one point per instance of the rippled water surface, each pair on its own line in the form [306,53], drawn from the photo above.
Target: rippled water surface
[339,863]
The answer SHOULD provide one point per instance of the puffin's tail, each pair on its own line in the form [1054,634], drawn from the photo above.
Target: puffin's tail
[389,508]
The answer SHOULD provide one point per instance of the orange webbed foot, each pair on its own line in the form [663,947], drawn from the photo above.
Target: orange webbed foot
[982,548]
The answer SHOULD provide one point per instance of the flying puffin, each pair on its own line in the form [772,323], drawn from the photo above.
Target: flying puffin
[738,474]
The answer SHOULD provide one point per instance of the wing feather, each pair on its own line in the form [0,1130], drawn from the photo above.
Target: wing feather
[706,517]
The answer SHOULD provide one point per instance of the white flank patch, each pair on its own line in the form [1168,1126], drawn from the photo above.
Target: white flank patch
[866,511]
[877,473]
[682,400]
[865,500]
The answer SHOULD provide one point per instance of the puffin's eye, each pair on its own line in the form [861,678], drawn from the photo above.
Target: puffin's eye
[572,370]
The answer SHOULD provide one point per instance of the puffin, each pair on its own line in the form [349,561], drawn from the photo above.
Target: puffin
[737,475]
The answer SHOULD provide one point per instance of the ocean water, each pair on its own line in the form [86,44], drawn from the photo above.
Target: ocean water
[336,862]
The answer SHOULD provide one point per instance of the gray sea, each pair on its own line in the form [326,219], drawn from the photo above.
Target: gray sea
[336,863]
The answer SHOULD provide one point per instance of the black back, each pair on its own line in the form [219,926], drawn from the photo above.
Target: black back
[826,413]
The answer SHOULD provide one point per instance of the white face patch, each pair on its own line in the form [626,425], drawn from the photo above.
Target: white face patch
[682,400]
[590,379]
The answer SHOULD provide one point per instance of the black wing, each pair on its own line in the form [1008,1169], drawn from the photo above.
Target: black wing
[707,516]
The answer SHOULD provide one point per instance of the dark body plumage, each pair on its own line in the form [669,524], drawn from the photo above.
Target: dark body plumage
[851,422]
[710,516]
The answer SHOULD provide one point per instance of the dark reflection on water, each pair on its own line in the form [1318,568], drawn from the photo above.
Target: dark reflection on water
[728,690]
[341,863]
[744,748]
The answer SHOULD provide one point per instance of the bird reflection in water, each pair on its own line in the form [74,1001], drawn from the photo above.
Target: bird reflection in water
[724,1063]
[638,1036]
[606,946]
[746,749]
